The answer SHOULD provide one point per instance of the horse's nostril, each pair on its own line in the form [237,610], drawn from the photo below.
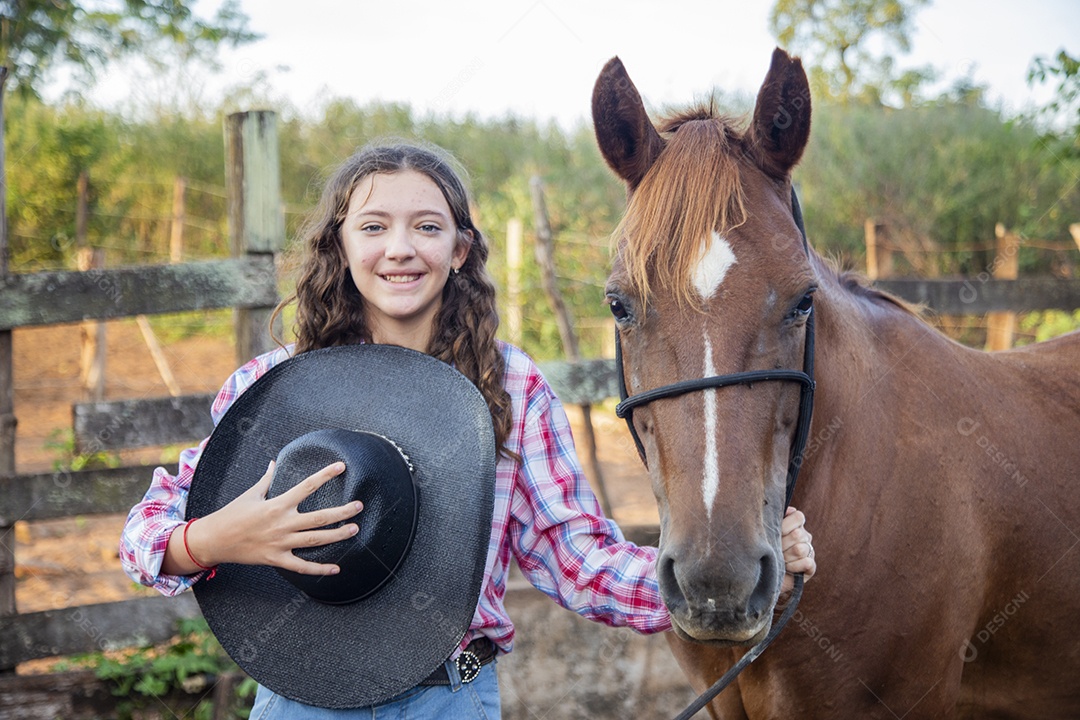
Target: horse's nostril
[665,570]
[761,598]
[669,581]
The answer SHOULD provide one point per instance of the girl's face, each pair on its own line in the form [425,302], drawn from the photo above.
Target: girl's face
[401,242]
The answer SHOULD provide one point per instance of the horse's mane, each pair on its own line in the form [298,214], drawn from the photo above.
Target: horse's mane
[855,283]
[681,200]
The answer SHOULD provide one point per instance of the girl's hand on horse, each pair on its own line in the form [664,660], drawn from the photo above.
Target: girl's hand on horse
[254,530]
[798,547]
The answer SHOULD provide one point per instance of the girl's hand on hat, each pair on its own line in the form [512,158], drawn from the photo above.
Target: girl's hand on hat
[254,530]
[798,547]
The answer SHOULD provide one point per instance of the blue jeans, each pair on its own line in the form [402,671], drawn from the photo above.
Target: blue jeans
[477,700]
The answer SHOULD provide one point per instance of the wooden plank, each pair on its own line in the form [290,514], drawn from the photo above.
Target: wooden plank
[160,361]
[983,294]
[121,424]
[63,297]
[582,382]
[90,628]
[63,494]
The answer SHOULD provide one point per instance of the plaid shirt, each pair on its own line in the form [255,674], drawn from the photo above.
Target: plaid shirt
[546,516]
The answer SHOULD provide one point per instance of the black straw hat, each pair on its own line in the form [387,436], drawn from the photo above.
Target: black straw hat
[419,448]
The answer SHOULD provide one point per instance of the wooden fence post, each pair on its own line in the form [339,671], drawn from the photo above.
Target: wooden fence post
[7,401]
[176,229]
[879,259]
[1000,325]
[93,333]
[545,258]
[256,220]
[514,233]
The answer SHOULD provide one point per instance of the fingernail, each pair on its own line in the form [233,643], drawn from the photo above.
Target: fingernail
[358,505]
[354,529]
[335,570]
[339,467]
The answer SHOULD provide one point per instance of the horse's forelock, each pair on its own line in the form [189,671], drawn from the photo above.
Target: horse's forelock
[691,190]
[702,111]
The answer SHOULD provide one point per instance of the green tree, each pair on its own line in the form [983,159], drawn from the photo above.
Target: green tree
[1065,107]
[36,35]
[939,177]
[837,36]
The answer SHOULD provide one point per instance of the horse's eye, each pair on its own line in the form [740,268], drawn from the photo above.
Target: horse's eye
[805,305]
[618,309]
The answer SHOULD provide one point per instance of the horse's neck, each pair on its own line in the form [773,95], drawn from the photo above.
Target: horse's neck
[875,362]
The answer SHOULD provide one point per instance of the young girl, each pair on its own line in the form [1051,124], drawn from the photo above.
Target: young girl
[392,256]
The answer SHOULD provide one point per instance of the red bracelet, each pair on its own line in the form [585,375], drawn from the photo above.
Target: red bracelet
[213,570]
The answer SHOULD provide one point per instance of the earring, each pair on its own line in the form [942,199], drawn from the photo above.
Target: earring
[457,270]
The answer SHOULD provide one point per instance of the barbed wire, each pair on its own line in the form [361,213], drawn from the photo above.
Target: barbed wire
[195,221]
[189,184]
[984,247]
[206,189]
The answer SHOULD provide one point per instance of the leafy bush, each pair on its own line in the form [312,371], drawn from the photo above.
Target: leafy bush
[191,664]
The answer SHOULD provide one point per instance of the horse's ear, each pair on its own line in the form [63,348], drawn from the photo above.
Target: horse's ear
[627,138]
[781,124]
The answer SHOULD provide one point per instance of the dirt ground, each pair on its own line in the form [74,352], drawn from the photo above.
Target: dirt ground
[73,561]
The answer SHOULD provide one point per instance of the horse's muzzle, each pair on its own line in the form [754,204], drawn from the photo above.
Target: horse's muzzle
[720,600]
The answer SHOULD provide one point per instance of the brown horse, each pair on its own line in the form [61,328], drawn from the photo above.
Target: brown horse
[942,483]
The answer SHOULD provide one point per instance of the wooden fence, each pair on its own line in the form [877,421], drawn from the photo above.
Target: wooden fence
[246,282]
[982,294]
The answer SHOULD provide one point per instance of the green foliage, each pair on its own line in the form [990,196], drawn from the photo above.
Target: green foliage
[837,36]
[62,442]
[132,168]
[35,35]
[172,327]
[47,149]
[1065,107]
[191,664]
[939,177]
[1041,326]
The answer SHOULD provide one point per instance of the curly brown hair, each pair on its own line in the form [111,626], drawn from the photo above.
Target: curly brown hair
[330,309]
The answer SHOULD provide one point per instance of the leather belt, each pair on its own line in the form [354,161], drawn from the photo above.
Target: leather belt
[476,655]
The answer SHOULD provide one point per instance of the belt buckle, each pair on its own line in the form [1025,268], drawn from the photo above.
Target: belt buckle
[468,665]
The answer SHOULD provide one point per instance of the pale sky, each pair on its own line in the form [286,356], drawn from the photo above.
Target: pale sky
[539,58]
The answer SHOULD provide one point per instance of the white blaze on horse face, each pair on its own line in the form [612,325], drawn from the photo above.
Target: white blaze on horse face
[711,483]
[713,266]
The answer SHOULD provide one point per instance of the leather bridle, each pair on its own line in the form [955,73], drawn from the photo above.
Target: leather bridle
[625,410]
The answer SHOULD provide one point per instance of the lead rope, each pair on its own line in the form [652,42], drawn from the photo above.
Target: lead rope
[725,680]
